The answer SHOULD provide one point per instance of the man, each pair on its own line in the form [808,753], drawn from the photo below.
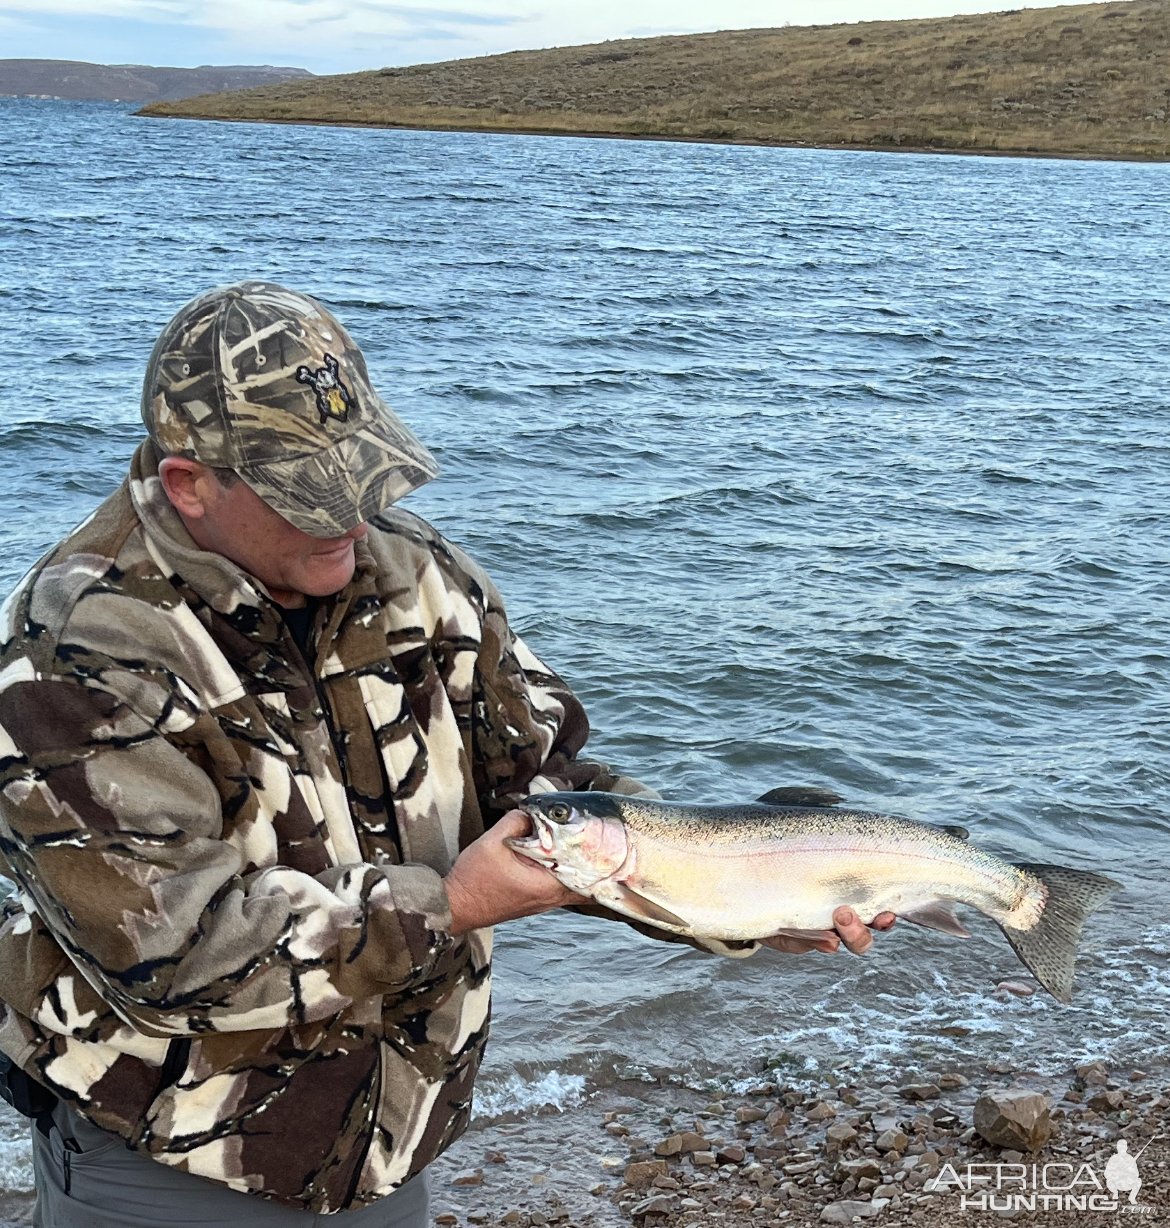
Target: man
[262,736]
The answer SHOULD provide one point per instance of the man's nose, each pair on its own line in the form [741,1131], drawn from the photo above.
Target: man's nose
[358,531]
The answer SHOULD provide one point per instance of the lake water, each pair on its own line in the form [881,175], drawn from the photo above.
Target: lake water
[804,467]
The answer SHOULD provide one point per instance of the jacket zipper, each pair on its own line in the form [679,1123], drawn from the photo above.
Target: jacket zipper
[377,1114]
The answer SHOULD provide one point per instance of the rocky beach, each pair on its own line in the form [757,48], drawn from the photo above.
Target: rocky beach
[893,1154]
[898,1154]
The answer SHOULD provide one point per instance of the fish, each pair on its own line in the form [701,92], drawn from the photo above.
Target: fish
[739,873]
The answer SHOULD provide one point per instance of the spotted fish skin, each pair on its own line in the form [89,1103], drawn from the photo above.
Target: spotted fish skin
[745,872]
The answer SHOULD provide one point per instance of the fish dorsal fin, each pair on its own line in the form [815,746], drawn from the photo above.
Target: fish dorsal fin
[953,829]
[937,915]
[634,904]
[800,795]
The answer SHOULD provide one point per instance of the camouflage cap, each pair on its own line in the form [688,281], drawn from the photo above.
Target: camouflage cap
[264,381]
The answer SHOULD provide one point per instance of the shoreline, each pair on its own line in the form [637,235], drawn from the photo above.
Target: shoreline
[746,142]
[665,1153]
[669,1155]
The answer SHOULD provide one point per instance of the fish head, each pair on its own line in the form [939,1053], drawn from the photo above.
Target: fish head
[573,837]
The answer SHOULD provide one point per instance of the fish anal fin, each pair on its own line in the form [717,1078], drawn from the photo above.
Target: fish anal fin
[800,795]
[937,915]
[641,907]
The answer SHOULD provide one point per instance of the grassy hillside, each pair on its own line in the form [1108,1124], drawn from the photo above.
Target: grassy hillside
[1084,79]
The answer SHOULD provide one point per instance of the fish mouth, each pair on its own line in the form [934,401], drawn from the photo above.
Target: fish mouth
[539,844]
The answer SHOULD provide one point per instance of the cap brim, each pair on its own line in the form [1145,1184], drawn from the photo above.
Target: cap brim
[332,491]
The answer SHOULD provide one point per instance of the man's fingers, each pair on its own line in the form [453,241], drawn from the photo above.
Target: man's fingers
[883,921]
[854,932]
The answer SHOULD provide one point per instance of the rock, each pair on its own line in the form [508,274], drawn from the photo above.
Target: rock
[919,1091]
[659,1204]
[844,1212]
[643,1172]
[891,1140]
[821,1111]
[1020,1120]
[475,1177]
[1021,989]
[928,1162]
[1093,1073]
[859,1169]
[800,1168]
[703,1159]
[744,1202]
[749,1113]
[512,1217]
[666,1183]
[445,1217]
[734,1154]
[669,1146]
[690,1141]
[777,1119]
[615,1129]
[999,1067]
[840,1133]
[950,1082]
[1106,1100]
[495,1157]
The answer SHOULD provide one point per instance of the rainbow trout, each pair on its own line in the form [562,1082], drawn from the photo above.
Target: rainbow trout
[748,872]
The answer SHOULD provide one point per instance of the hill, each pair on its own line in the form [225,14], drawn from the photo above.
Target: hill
[1078,80]
[82,82]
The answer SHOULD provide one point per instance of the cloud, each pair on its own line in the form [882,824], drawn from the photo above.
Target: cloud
[267,19]
[441,17]
[136,10]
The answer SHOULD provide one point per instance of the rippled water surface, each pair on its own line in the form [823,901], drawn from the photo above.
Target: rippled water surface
[804,468]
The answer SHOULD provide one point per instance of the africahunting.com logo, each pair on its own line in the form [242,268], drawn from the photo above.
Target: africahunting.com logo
[1057,1186]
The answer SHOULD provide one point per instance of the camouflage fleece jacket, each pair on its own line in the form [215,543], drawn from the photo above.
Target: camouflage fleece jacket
[227,944]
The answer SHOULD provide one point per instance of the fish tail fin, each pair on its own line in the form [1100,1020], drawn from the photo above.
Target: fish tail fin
[1048,948]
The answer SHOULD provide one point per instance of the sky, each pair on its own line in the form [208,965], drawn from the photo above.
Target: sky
[332,36]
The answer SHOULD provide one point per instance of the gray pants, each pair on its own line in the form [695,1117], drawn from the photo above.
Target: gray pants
[106,1185]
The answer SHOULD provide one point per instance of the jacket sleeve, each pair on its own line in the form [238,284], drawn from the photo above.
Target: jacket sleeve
[114,838]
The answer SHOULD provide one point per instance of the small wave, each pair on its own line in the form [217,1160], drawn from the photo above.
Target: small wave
[517,1094]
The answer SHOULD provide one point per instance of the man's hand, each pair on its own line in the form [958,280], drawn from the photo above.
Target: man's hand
[490,883]
[848,930]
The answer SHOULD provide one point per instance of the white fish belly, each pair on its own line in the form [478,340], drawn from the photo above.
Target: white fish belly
[744,894]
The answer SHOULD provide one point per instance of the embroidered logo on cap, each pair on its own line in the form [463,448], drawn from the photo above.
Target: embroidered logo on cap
[334,399]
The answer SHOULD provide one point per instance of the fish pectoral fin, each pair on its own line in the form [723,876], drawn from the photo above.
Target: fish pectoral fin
[641,907]
[937,915]
[800,795]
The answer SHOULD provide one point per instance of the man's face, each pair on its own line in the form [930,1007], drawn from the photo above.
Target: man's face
[290,563]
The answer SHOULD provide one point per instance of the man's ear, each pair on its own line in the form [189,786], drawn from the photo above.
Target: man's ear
[185,482]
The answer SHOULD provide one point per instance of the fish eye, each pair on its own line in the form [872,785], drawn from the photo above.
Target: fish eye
[559,812]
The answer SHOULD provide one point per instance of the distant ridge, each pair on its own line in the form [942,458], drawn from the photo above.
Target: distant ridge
[83,82]
[1077,80]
